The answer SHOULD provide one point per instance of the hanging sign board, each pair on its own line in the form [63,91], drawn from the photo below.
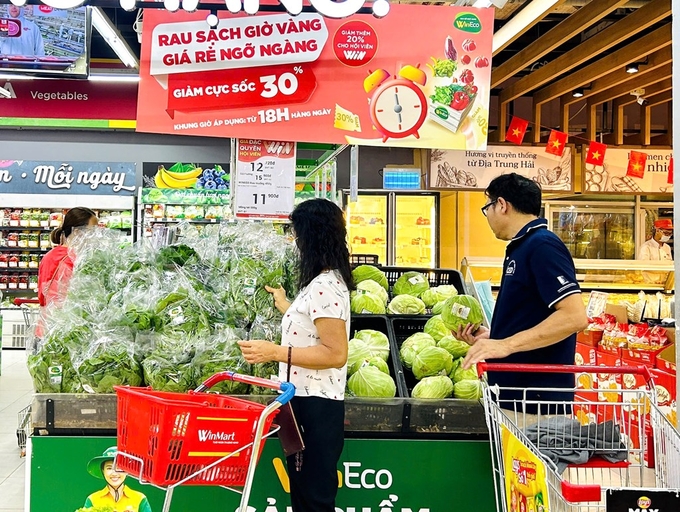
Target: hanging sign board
[476,169]
[613,176]
[265,179]
[84,178]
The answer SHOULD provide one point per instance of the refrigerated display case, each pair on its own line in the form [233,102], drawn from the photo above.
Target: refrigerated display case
[401,228]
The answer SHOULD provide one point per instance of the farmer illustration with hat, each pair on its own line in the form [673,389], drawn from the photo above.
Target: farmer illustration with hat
[116,495]
[657,248]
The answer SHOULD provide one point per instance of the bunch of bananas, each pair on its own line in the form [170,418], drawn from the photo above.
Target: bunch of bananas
[178,176]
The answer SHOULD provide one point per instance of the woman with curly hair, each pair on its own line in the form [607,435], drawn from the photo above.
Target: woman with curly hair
[315,333]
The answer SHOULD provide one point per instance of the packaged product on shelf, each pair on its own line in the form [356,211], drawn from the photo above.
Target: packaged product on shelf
[173,211]
[33,240]
[44,218]
[13,239]
[4,282]
[34,261]
[24,258]
[25,218]
[55,219]
[23,239]
[33,281]
[13,261]
[45,242]
[34,219]
[23,282]
[4,216]
[15,218]
[126,219]
[13,282]
[4,260]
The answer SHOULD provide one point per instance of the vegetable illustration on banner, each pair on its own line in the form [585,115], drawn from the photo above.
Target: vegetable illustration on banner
[265,179]
[356,80]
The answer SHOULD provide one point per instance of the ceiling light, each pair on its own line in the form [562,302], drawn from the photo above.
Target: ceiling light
[212,19]
[381,8]
[234,6]
[578,93]
[19,3]
[632,68]
[519,22]
[251,6]
[63,4]
[106,29]
[128,5]
[190,5]
[171,5]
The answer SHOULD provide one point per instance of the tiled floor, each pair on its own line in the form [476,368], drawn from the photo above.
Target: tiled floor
[15,393]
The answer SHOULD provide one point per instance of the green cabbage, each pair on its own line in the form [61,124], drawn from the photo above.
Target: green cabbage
[414,344]
[432,361]
[438,294]
[438,307]
[369,381]
[377,342]
[453,346]
[461,374]
[406,305]
[435,327]
[456,365]
[379,364]
[357,353]
[468,389]
[461,310]
[433,387]
[371,286]
[364,302]
[366,272]
[411,283]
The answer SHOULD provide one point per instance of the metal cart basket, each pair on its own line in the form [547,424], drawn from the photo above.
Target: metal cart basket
[171,439]
[575,453]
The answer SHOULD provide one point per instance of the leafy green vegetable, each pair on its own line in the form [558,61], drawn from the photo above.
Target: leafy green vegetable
[406,305]
[461,310]
[178,255]
[411,283]
[435,327]
[461,374]
[369,381]
[453,346]
[363,302]
[433,387]
[107,364]
[369,272]
[437,294]
[357,353]
[412,345]
[172,372]
[432,361]
[377,342]
[221,356]
[444,67]
[374,288]
[468,389]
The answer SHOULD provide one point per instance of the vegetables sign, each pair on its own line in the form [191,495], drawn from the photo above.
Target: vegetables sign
[356,80]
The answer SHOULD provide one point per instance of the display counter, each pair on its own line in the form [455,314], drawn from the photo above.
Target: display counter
[400,454]
[608,275]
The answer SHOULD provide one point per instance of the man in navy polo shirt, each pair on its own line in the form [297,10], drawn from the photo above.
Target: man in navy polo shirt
[539,307]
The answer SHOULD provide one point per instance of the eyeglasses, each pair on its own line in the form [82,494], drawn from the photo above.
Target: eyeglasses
[487,206]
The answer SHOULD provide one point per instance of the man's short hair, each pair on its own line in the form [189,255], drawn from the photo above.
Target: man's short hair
[522,193]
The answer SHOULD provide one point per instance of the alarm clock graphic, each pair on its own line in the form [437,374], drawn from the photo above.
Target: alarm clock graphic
[398,106]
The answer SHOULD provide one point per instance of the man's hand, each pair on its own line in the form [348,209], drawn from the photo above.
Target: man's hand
[280,301]
[259,351]
[470,335]
[485,349]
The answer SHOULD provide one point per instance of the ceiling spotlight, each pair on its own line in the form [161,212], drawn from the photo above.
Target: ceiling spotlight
[128,5]
[578,93]
[212,19]
[171,5]
[190,5]
[642,101]
[381,8]
[632,68]
[19,3]
[234,6]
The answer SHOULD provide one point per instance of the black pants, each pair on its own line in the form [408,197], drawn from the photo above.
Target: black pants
[314,487]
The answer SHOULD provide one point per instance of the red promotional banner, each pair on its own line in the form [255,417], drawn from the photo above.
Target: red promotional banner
[636,164]
[357,80]
[556,142]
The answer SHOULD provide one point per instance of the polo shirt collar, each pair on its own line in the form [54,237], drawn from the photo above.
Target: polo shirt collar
[534,225]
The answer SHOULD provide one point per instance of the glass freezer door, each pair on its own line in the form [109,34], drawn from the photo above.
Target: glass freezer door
[367,226]
[415,231]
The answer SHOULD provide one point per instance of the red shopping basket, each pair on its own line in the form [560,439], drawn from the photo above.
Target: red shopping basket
[171,436]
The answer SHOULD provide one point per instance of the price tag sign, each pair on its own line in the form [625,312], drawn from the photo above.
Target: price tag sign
[265,179]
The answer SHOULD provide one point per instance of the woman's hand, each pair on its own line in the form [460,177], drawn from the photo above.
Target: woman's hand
[259,351]
[280,301]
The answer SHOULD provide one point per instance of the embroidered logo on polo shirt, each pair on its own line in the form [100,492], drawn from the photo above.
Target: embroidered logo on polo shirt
[563,280]
[511,268]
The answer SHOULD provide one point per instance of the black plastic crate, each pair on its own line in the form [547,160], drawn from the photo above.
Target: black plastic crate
[433,416]
[436,276]
[364,259]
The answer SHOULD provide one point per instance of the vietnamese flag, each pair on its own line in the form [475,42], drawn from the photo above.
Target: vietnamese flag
[636,164]
[596,151]
[556,142]
[516,130]
[670,172]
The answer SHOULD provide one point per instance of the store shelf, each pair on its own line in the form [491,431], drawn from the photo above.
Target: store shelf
[5,270]
[23,228]
[5,248]
[191,221]
[17,291]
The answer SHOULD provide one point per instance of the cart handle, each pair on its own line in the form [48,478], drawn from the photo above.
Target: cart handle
[19,301]
[287,388]
[562,368]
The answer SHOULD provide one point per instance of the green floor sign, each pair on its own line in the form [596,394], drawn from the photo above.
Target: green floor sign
[375,475]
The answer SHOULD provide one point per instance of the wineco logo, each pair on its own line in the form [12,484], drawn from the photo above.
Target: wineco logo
[468,22]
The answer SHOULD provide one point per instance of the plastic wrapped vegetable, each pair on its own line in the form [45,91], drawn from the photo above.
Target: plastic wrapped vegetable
[218,354]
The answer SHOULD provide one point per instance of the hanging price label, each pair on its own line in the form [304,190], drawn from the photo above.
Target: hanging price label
[265,179]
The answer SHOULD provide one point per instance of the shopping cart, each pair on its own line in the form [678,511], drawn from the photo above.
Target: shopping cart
[171,439]
[637,446]
[31,314]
